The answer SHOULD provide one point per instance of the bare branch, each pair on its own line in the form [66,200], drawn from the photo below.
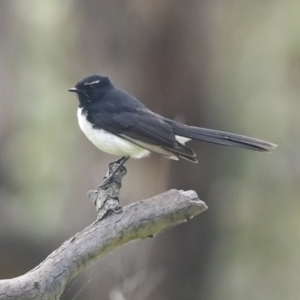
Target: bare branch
[138,220]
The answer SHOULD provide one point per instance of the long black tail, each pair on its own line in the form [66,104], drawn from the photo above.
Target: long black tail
[222,138]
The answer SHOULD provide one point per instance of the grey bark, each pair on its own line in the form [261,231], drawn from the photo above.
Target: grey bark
[138,220]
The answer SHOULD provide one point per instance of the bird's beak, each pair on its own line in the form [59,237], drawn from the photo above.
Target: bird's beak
[74,90]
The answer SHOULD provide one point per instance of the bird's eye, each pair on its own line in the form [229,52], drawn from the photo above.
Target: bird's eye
[92,86]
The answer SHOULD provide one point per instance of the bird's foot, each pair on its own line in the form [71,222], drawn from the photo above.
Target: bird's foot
[106,197]
[113,168]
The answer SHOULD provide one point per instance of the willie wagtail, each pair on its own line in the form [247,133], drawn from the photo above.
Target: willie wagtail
[119,124]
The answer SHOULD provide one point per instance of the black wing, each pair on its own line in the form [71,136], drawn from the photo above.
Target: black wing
[141,125]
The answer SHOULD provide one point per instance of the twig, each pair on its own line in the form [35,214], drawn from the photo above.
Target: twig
[106,198]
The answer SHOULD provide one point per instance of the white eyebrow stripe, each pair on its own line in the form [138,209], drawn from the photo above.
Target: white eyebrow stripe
[91,83]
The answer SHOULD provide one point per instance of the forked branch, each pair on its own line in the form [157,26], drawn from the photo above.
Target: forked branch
[138,220]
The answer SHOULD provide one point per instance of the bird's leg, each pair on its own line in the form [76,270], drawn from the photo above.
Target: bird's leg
[120,162]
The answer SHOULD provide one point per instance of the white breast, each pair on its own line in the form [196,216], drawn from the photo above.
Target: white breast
[108,142]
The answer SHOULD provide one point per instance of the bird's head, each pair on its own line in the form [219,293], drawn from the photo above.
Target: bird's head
[91,88]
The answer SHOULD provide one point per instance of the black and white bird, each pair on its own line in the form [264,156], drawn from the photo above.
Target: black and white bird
[119,124]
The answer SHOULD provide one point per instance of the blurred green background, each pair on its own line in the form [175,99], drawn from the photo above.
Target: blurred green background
[227,65]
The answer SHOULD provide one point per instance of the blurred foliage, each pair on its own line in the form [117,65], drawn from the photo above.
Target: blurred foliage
[228,65]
